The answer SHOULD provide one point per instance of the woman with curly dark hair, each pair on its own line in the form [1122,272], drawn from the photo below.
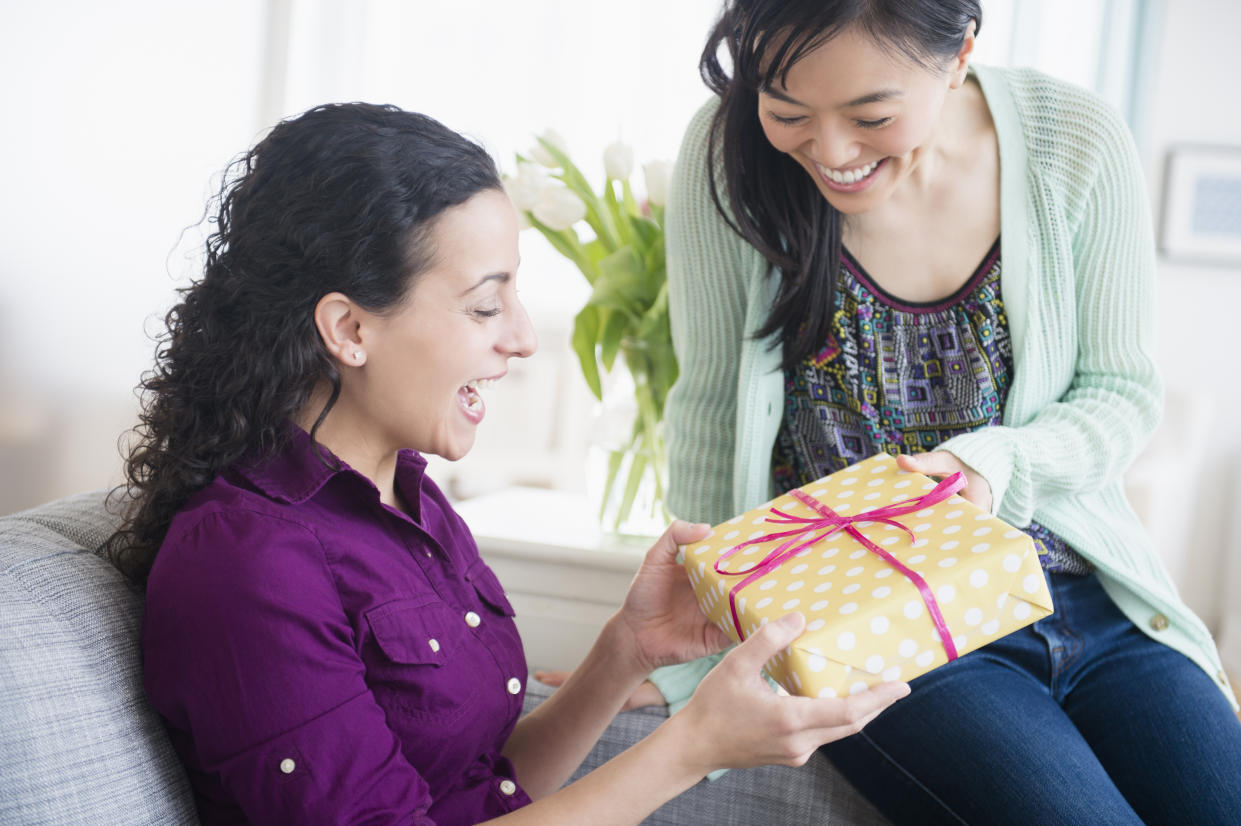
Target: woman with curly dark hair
[321,636]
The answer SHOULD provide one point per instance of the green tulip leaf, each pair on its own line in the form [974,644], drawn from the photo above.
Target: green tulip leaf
[585,337]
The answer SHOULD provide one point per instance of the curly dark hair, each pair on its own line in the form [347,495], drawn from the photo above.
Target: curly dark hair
[775,206]
[341,198]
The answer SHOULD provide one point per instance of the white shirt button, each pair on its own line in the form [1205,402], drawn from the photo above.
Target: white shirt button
[435,644]
[473,620]
[514,685]
[287,766]
[508,786]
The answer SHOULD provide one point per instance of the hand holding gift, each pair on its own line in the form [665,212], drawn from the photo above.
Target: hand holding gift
[895,575]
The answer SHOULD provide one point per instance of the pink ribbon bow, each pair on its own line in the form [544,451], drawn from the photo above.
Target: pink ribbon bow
[828,521]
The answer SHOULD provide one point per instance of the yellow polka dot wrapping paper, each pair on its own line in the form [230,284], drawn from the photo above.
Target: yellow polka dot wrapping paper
[866,621]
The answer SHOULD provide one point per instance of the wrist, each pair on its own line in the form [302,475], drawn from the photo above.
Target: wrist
[624,650]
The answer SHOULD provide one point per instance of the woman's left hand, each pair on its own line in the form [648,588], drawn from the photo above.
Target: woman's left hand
[941,463]
[660,610]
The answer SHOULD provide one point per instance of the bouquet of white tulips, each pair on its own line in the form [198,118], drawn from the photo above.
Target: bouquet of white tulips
[622,257]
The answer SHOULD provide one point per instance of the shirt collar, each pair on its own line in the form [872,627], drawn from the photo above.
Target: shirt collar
[301,469]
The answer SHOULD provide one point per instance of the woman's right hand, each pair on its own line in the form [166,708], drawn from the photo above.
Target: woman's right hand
[735,720]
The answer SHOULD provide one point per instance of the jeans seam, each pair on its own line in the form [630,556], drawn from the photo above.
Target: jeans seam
[915,781]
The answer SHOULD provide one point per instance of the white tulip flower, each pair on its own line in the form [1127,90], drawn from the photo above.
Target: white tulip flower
[559,207]
[542,155]
[618,161]
[657,175]
[523,188]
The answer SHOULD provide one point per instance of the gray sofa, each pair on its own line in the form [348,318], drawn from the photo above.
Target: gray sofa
[79,744]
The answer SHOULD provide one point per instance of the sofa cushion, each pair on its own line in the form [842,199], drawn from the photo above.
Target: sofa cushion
[78,742]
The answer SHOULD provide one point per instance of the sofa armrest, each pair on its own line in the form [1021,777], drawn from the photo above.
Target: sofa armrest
[770,795]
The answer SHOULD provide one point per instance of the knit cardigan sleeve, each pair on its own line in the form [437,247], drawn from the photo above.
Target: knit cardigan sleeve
[1086,393]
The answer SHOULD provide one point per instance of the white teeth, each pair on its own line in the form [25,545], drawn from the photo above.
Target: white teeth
[850,176]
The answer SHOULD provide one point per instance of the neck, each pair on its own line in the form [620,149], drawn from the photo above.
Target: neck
[354,445]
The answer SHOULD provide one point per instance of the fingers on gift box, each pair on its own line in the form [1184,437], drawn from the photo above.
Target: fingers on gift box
[895,574]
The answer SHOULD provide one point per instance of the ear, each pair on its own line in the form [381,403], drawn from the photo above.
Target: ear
[958,69]
[339,322]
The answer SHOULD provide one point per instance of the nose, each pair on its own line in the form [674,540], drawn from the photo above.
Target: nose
[520,340]
[835,146]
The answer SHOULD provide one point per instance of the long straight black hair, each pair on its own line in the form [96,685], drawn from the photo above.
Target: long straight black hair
[775,206]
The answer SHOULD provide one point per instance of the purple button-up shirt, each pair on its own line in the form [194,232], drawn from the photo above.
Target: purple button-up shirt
[320,657]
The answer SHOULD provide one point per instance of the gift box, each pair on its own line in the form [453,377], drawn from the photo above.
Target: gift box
[895,573]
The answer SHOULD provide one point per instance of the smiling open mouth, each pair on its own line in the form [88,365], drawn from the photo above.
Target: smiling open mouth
[849,176]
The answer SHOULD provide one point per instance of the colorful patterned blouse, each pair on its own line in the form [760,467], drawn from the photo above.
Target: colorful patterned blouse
[902,377]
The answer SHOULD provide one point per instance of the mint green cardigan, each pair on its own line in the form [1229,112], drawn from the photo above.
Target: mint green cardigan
[1079,291]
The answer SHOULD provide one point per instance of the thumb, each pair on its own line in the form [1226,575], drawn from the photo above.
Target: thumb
[935,463]
[773,636]
[678,533]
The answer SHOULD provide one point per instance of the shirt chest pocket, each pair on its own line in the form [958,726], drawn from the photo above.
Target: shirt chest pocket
[424,663]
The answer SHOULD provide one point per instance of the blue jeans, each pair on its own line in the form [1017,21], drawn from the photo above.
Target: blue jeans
[1079,718]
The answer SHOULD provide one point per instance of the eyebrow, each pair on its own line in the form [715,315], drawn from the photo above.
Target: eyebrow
[502,277]
[873,97]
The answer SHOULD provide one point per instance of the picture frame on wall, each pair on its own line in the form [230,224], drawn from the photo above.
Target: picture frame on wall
[1202,205]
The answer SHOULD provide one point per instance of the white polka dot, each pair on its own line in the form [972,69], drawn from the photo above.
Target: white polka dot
[755,535]
[1012,563]
[816,663]
[1012,534]
[1031,583]
[818,493]
[826,569]
[731,535]
[893,673]
[711,534]
[848,608]
[929,486]
[978,578]
[973,617]
[1000,600]
[857,688]
[846,641]
[768,585]
[854,571]
[798,569]
[750,551]
[758,520]
[1021,610]
[762,603]
[882,592]
[795,586]
[924,513]
[953,514]
[880,625]
[827,692]
[913,609]
[904,483]
[889,540]
[948,561]
[946,594]
[796,683]
[917,559]
[735,520]
[874,664]
[851,589]
[922,526]
[983,531]
[741,605]
[990,627]
[919,543]
[815,625]
[829,553]
[844,494]
[907,648]
[852,480]
[791,604]
[981,547]
[843,507]
[960,642]
[749,566]
[859,553]
[701,549]
[879,467]
[952,529]
[870,497]
[925,658]
[883,573]
[819,606]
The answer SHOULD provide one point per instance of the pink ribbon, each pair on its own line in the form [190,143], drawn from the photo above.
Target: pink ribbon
[829,522]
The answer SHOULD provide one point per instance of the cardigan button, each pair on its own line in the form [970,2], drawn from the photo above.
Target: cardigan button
[513,686]
[1159,622]
[287,766]
[508,787]
[473,620]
